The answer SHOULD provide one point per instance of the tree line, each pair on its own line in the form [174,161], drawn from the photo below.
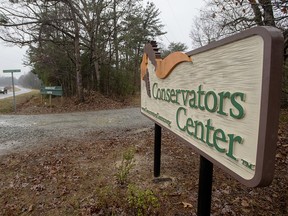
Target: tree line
[83,44]
[97,44]
[28,80]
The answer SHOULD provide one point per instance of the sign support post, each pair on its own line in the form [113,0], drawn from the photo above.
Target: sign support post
[205,187]
[157,151]
[50,100]
[14,99]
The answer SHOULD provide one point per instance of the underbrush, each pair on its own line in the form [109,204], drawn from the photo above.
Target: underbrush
[45,105]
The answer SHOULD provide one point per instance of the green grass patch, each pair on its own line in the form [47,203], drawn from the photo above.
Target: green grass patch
[6,105]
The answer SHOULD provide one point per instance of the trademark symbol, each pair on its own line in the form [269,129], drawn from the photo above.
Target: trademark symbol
[248,165]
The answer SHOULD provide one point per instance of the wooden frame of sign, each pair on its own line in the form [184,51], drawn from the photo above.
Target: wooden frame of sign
[223,99]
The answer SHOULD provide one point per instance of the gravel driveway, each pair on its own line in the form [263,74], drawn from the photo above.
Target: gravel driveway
[18,132]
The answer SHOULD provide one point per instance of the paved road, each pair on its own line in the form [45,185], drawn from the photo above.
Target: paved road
[23,131]
[10,93]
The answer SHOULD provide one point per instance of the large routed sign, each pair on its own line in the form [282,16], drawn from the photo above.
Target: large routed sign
[223,99]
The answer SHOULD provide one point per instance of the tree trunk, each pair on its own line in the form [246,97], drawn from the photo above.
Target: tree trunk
[136,70]
[115,36]
[96,69]
[257,12]
[78,66]
[268,12]
[77,53]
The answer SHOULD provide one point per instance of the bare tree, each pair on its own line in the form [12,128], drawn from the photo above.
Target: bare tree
[221,18]
[84,43]
[231,16]
[205,30]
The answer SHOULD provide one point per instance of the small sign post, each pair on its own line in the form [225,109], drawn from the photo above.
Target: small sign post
[13,71]
[222,99]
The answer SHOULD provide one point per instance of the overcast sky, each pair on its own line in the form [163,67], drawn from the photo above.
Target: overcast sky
[176,15]
[12,57]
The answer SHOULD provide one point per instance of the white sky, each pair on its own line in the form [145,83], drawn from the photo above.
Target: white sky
[176,15]
[12,57]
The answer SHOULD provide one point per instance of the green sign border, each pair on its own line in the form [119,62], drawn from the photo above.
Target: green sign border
[12,71]
[52,90]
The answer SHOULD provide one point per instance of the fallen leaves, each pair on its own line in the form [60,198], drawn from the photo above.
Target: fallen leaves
[31,207]
[245,203]
[187,205]
[38,187]
[74,177]
[93,101]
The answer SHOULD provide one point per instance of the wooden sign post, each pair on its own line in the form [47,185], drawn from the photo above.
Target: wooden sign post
[223,99]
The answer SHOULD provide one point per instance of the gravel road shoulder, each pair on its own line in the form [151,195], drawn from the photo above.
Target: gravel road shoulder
[19,132]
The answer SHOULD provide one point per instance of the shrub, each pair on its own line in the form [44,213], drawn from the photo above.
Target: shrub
[127,163]
[142,202]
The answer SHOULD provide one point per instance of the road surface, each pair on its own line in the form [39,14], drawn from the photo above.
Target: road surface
[19,132]
[10,92]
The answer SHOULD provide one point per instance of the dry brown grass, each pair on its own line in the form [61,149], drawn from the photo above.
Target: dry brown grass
[6,105]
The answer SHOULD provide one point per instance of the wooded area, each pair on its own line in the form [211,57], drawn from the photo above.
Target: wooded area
[97,45]
[83,44]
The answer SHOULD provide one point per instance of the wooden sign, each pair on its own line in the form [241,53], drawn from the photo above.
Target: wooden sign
[223,99]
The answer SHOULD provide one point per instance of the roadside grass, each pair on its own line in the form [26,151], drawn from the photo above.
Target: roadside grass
[6,105]
[283,116]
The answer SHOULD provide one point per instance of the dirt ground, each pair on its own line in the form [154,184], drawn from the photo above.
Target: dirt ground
[112,174]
